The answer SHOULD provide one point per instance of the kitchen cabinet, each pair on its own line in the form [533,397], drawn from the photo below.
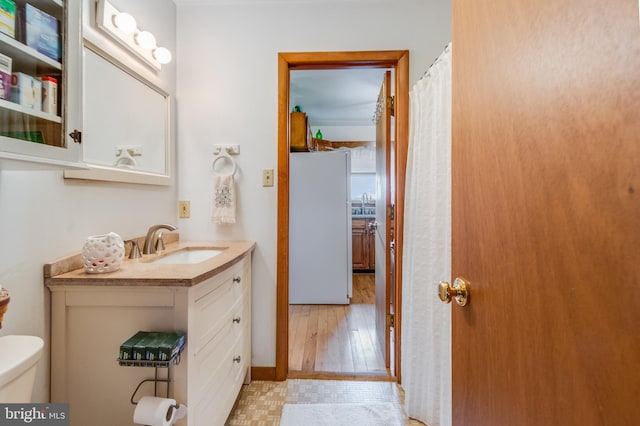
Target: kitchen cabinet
[34,125]
[363,244]
[299,132]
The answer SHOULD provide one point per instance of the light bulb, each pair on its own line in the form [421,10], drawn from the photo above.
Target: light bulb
[125,22]
[146,40]
[162,55]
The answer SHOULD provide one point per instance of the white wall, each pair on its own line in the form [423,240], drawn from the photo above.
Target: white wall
[44,217]
[227,92]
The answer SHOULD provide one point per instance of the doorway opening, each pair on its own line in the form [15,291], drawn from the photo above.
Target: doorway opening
[332,199]
[398,61]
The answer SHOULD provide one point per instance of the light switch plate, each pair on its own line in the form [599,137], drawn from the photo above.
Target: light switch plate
[184,209]
[267,177]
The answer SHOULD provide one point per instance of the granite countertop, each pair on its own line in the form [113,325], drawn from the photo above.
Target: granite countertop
[143,272]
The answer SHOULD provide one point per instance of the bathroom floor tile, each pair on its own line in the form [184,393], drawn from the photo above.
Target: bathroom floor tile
[260,403]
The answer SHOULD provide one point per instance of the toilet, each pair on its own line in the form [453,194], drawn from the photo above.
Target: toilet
[19,357]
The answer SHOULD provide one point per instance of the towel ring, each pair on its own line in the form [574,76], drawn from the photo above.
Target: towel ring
[224,155]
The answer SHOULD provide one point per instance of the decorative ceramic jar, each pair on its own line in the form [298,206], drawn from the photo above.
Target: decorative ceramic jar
[102,253]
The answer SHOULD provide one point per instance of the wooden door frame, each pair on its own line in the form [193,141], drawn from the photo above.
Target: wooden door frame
[399,61]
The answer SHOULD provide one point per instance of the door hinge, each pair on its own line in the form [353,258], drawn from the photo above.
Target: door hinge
[391,104]
[391,320]
[76,135]
[391,211]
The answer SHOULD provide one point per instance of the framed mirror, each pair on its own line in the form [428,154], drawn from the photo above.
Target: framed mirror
[126,134]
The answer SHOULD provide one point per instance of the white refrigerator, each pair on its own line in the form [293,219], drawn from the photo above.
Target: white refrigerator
[320,228]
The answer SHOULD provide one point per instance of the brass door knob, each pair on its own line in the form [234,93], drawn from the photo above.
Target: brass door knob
[459,291]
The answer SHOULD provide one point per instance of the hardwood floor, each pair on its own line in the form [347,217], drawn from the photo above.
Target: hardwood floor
[337,338]
[364,289]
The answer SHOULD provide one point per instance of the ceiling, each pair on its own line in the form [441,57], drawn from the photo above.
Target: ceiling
[270,1]
[341,97]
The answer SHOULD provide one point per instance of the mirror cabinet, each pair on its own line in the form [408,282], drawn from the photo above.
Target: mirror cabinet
[39,45]
[66,101]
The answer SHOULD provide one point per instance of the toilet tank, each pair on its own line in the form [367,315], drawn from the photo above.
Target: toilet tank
[19,357]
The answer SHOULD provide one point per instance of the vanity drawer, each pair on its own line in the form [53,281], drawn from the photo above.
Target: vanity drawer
[213,308]
[236,271]
[218,396]
[211,357]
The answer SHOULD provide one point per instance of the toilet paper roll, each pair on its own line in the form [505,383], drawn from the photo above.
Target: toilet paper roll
[181,411]
[155,411]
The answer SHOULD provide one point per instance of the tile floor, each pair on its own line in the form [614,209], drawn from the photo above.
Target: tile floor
[260,403]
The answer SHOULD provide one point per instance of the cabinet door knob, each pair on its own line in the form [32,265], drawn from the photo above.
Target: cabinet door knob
[237,359]
[237,279]
[236,320]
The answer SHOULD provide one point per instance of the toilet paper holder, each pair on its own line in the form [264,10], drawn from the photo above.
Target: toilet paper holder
[175,411]
[175,360]
[172,409]
[155,380]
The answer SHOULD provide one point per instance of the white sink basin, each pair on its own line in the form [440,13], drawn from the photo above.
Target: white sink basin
[189,255]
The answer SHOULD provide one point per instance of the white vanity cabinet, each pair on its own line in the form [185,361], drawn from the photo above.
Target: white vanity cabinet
[91,320]
[29,131]
[219,344]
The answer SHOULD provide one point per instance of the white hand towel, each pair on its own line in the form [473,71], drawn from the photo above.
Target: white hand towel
[224,199]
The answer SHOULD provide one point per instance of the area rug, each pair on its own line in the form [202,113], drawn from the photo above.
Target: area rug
[361,414]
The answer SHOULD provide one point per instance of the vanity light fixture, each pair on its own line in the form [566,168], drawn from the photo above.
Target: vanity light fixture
[146,40]
[125,23]
[162,55]
[123,28]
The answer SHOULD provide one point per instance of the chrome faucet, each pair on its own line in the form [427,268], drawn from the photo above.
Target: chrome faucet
[149,241]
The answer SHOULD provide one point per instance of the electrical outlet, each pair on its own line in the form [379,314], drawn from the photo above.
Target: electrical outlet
[184,209]
[267,177]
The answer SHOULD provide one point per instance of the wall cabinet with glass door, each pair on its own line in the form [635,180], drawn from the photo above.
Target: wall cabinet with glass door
[39,79]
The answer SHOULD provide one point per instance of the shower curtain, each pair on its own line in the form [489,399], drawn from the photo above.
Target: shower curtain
[426,337]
